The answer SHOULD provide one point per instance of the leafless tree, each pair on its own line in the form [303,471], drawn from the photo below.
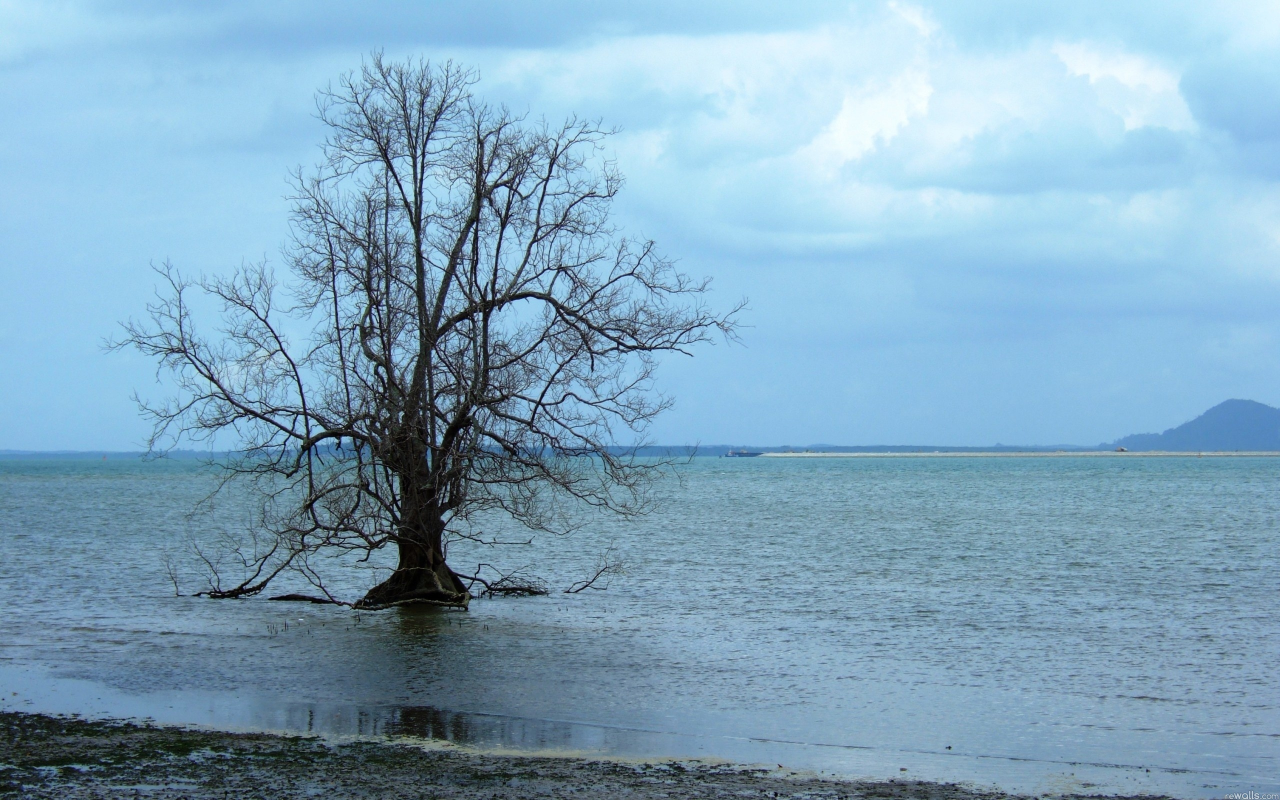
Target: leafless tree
[474,335]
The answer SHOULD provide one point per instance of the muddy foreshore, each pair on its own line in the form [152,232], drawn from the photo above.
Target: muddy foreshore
[59,757]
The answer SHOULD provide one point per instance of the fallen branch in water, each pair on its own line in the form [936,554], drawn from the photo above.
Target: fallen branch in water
[307,598]
[516,583]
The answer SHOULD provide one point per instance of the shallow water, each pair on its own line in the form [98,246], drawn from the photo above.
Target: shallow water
[1039,624]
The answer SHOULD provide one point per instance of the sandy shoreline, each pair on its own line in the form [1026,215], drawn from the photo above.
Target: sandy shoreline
[59,757]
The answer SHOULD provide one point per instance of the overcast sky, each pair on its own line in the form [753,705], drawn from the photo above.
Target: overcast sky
[958,223]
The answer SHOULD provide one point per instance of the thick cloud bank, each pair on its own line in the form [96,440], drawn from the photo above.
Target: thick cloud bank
[958,224]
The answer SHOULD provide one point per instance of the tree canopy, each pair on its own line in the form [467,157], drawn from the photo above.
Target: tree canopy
[473,333]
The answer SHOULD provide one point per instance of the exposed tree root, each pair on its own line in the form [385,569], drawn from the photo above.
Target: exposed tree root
[460,602]
[436,586]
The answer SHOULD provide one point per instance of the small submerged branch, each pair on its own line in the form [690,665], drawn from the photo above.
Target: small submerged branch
[308,598]
[171,570]
[606,568]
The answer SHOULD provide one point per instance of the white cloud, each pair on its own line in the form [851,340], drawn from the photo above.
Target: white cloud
[794,111]
[745,95]
[915,16]
[869,115]
[1138,90]
[1248,24]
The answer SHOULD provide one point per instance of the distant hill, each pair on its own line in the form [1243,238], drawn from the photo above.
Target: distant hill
[1233,425]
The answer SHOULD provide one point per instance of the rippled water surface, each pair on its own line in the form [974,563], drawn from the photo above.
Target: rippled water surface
[1038,623]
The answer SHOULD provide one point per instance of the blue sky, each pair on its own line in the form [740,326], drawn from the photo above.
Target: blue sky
[959,223]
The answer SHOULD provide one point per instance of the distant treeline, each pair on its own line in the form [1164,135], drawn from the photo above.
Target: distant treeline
[1230,426]
[723,449]
[647,451]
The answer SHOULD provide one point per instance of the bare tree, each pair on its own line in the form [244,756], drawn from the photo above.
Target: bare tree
[477,337]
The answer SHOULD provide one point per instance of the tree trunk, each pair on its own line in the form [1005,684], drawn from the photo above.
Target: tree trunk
[422,577]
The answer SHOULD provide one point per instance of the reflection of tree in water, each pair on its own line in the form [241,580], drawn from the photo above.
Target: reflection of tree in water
[418,621]
[423,636]
[426,722]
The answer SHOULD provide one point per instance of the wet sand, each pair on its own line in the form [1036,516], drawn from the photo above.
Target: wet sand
[60,757]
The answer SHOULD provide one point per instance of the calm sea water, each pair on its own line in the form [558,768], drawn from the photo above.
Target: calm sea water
[1042,624]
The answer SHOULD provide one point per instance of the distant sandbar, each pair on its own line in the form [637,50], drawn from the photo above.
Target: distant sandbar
[1031,454]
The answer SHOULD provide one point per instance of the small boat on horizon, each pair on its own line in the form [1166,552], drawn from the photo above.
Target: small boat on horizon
[742,454]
